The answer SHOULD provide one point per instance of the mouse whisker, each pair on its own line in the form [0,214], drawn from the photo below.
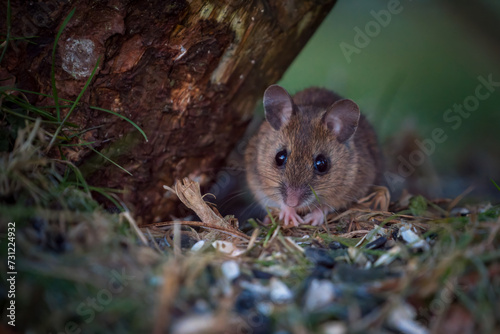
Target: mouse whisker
[233,197]
[251,207]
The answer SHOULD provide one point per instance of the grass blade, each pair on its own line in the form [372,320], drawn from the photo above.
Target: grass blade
[80,144]
[108,159]
[274,226]
[74,103]
[122,117]
[28,106]
[53,69]
[494,183]
[7,38]
[81,182]
[108,197]
[315,195]
[24,38]
[91,107]
[12,112]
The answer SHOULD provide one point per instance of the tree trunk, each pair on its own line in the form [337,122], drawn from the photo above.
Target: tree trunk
[189,73]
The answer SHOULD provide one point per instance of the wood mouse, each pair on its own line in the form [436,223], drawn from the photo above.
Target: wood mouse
[314,154]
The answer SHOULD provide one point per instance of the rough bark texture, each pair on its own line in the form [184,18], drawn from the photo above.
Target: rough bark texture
[189,73]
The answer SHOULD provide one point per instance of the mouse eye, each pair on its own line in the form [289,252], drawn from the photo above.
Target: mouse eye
[280,158]
[321,164]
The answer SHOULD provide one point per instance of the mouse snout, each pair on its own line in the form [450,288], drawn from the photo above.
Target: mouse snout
[293,197]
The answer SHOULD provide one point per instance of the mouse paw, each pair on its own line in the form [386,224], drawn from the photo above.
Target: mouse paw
[289,216]
[316,217]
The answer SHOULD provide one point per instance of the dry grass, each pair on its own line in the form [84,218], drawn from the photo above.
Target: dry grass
[80,267]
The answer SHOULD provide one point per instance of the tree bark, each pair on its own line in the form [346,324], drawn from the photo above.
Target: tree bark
[189,73]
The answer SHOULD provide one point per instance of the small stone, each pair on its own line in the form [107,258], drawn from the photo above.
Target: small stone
[265,308]
[320,294]
[320,257]
[334,327]
[402,319]
[257,323]
[459,212]
[388,257]
[377,243]
[256,288]
[197,246]
[280,293]
[320,272]
[230,270]
[227,247]
[259,274]
[357,256]
[409,235]
[278,270]
[336,245]
[246,301]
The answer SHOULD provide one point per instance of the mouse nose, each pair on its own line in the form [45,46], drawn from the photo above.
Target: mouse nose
[293,197]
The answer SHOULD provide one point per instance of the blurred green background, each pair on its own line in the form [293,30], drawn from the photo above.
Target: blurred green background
[407,75]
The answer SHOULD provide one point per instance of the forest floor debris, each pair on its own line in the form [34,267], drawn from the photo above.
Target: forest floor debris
[411,266]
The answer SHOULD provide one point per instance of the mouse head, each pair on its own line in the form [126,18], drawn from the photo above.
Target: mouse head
[308,149]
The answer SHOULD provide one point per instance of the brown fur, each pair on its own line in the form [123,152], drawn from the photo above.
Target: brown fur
[355,164]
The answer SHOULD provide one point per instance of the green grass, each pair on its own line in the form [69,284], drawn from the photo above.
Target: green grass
[495,184]
[15,108]
[53,68]
[7,37]
[70,248]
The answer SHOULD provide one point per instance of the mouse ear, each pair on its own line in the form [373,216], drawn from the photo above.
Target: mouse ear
[342,118]
[278,106]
